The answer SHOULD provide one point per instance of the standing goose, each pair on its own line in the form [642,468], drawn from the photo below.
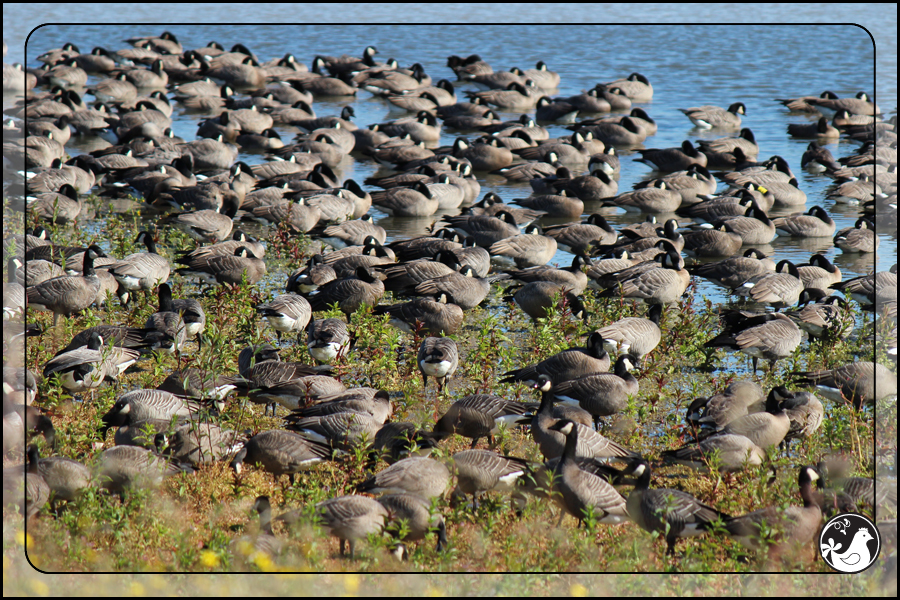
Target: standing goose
[397,440]
[805,412]
[552,442]
[231,269]
[569,364]
[634,335]
[672,513]
[413,516]
[86,367]
[769,336]
[713,414]
[68,294]
[583,493]
[439,316]
[657,286]
[791,527]
[857,382]
[815,223]
[823,316]
[713,117]
[423,477]
[481,471]
[479,416]
[146,405]
[766,429]
[350,293]
[141,271]
[13,292]
[327,340]
[602,394]
[439,358]
[872,290]
[350,518]
[286,313]
[281,453]
[25,486]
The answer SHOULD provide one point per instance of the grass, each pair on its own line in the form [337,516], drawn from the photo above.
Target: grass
[191,522]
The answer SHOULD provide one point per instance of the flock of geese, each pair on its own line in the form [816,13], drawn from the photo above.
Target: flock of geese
[204,188]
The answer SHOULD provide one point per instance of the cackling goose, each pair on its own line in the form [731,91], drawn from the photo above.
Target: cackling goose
[857,382]
[529,249]
[713,117]
[423,477]
[439,316]
[538,298]
[815,223]
[781,288]
[601,394]
[86,367]
[569,364]
[350,518]
[327,340]
[728,451]
[673,159]
[481,471]
[438,358]
[286,313]
[859,238]
[281,453]
[769,336]
[633,335]
[349,294]
[479,416]
[412,516]
[68,294]
[141,271]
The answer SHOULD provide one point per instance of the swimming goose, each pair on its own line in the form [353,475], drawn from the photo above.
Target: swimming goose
[859,238]
[552,442]
[657,199]
[438,357]
[423,477]
[857,382]
[815,223]
[582,493]
[769,336]
[732,272]
[672,513]
[327,340]
[710,117]
[821,130]
[721,241]
[859,105]
[350,518]
[479,416]
[573,277]
[286,313]
[68,294]
[353,233]
[636,87]
[745,141]
[86,367]
[569,364]
[601,394]
[516,96]
[417,201]
[281,453]
[485,229]
[787,528]
[673,159]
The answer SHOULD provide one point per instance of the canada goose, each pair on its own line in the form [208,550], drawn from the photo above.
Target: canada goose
[13,292]
[66,478]
[673,159]
[663,285]
[479,416]
[830,105]
[573,277]
[59,207]
[143,405]
[350,518]
[537,298]
[67,75]
[721,241]
[485,156]
[281,453]
[404,276]
[24,486]
[822,316]
[168,321]
[398,440]
[286,313]
[560,205]
[856,383]
[636,87]
[601,394]
[121,467]
[818,159]
[353,233]
[555,110]
[86,367]
[819,273]
[710,117]
[873,289]
[815,223]
[552,442]
[439,316]
[579,237]
[672,513]
[753,225]
[766,428]
[423,477]
[634,335]
[791,527]
[327,340]
[342,430]
[208,226]
[413,516]
[628,132]
[781,288]
[144,270]
[582,493]
[657,199]
[731,452]
[439,358]
[805,412]
[126,337]
[859,238]
[349,294]
[308,279]
[233,269]
[485,229]
[732,272]
[569,364]
[481,471]
[517,96]
[417,201]
[769,336]
[745,141]
[465,287]
[529,249]
[822,130]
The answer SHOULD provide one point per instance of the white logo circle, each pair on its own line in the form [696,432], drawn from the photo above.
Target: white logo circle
[846,543]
